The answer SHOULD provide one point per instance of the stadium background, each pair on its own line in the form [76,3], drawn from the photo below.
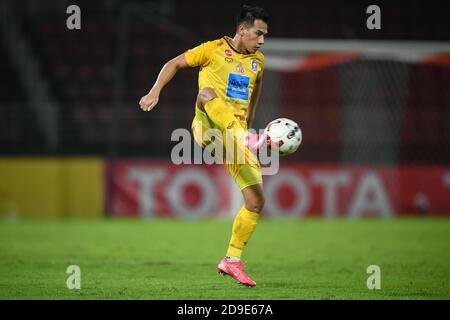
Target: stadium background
[74,143]
[68,94]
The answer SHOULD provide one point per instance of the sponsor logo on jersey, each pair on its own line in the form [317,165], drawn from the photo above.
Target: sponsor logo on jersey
[228,53]
[236,101]
[254,65]
[238,86]
[240,68]
[229,60]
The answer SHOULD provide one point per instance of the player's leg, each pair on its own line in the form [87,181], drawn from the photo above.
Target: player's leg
[249,179]
[243,227]
[217,110]
[233,130]
[219,113]
[246,220]
[224,118]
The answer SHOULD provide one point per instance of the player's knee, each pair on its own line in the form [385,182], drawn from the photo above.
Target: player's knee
[205,95]
[255,205]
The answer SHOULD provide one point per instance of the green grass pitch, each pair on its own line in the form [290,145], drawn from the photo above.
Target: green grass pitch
[177,259]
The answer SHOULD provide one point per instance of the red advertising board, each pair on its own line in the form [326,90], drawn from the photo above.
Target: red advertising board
[139,188]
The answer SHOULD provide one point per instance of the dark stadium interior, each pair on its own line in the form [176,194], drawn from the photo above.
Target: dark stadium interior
[98,115]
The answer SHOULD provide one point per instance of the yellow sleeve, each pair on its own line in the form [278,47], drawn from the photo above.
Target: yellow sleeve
[200,55]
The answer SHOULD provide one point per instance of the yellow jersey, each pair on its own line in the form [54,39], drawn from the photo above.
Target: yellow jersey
[230,73]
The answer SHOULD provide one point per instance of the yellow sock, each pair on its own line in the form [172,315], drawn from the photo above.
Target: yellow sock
[243,227]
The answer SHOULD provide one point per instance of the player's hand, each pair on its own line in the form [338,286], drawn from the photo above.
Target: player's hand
[149,101]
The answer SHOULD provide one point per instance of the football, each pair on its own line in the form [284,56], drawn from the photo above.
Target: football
[285,135]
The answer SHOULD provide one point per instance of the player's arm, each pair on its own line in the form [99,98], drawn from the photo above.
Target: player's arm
[253,102]
[167,72]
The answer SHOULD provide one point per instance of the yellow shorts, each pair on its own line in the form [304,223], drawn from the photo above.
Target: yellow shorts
[245,173]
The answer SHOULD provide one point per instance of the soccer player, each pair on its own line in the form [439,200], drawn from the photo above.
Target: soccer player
[230,80]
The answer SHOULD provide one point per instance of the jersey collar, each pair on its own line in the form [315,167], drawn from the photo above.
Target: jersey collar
[228,40]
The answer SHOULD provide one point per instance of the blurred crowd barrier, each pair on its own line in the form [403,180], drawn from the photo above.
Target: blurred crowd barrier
[51,187]
[95,187]
[152,189]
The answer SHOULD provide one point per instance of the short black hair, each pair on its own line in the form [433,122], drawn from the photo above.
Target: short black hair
[249,14]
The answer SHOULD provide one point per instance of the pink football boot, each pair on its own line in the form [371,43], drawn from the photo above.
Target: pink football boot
[236,271]
[256,141]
